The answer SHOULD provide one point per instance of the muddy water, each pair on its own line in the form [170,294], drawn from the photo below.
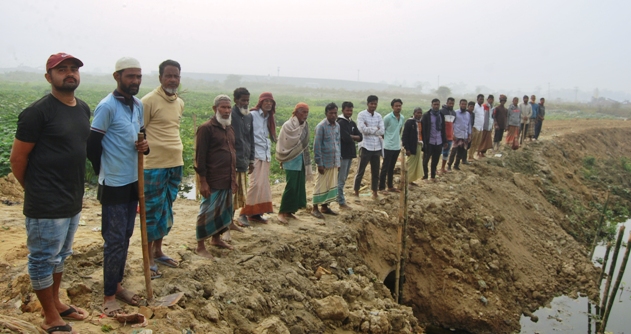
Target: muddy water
[568,315]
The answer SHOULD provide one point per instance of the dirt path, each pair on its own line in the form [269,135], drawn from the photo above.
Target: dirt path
[485,244]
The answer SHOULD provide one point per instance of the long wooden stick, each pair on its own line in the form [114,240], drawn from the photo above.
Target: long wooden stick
[600,224]
[143,220]
[612,268]
[403,219]
[623,266]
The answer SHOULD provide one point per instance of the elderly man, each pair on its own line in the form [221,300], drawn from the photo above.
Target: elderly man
[434,138]
[113,151]
[292,151]
[244,144]
[349,135]
[462,134]
[327,156]
[370,124]
[48,159]
[216,162]
[478,124]
[412,140]
[163,110]
[259,197]
[392,125]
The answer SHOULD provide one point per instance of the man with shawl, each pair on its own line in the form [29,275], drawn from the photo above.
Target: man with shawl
[216,162]
[259,197]
[292,151]
[412,140]
[327,156]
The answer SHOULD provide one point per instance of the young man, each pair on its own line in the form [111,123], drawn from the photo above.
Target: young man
[500,115]
[326,153]
[462,134]
[113,150]
[216,162]
[48,160]
[533,117]
[514,120]
[244,144]
[349,135]
[526,113]
[434,138]
[412,140]
[486,142]
[392,123]
[541,115]
[449,114]
[371,126]
[478,123]
[292,151]
[163,110]
[259,194]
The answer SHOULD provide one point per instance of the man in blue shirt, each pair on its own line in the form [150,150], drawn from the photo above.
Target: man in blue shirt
[113,150]
[326,153]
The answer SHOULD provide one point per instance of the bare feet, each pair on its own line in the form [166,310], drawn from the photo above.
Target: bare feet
[413,184]
[374,195]
[345,207]
[217,242]
[282,218]
[204,253]
[293,216]
[234,227]
[394,190]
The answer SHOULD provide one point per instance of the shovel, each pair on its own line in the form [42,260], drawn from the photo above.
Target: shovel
[171,299]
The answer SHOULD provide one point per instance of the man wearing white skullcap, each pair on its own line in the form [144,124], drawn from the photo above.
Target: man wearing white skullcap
[113,152]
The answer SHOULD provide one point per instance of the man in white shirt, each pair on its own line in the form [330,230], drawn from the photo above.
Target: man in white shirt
[478,122]
[370,124]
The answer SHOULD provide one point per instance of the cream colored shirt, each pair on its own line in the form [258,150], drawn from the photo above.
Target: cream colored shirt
[163,114]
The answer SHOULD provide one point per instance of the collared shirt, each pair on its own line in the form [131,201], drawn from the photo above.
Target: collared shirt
[526,111]
[435,137]
[535,110]
[215,156]
[262,143]
[326,145]
[392,131]
[478,110]
[372,128]
[462,124]
[119,120]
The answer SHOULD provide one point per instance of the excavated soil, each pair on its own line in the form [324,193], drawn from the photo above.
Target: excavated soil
[499,238]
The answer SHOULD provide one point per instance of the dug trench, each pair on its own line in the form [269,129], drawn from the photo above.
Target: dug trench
[485,245]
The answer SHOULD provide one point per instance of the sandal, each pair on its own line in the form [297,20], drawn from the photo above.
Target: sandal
[329,212]
[317,214]
[111,308]
[167,261]
[154,274]
[66,315]
[129,297]
[65,328]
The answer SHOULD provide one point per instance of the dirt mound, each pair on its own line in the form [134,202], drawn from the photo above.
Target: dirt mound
[11,191]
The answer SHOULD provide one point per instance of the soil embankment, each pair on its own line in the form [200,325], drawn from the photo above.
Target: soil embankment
[485,244]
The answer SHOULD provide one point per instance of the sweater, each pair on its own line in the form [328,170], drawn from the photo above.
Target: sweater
[163,114]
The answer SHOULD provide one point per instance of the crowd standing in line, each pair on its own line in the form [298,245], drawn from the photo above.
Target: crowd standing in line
[232,161]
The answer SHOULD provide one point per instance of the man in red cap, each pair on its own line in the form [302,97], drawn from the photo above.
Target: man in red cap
[48,159]
[259,197]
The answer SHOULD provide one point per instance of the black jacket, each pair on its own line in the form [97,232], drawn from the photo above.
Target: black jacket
[347,144]
[410,135]
[244,139]
[426,122]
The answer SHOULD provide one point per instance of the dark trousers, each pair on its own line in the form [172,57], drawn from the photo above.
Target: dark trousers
[524,131]
[387,168]
[459,154]
[433,152]
[538,125]
[365,157]
[117,227]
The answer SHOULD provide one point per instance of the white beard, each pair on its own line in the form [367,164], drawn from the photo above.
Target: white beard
[244,111]
[224,122]
[170,90]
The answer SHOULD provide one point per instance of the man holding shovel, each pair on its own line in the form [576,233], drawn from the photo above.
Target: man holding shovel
[113,150]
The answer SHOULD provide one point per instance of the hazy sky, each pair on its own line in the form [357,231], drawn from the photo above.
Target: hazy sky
[495,43]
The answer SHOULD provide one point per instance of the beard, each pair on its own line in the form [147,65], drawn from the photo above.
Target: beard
[171,91]
[68,86]
[224,121]
[131,89]
[244,111]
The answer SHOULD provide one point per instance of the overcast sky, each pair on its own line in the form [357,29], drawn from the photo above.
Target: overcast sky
[495,43]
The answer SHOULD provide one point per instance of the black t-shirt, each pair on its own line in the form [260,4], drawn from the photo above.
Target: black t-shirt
[55,173]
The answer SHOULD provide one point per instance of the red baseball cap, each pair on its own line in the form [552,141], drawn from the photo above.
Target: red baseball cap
[57,58]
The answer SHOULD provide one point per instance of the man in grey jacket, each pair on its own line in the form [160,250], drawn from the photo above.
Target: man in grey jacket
[244,145]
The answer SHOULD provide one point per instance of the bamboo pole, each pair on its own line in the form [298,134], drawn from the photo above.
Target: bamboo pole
[612,268]
[600,224]
[623,266]
[403,218]
[143,221]
[602,274]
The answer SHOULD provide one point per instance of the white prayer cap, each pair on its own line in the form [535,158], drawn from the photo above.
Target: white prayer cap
[126,62]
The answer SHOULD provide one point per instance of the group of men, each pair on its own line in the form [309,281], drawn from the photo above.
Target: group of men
[232,160]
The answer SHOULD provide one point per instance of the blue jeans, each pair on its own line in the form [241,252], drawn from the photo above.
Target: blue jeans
[446,150]
[345,167]
[49,242]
